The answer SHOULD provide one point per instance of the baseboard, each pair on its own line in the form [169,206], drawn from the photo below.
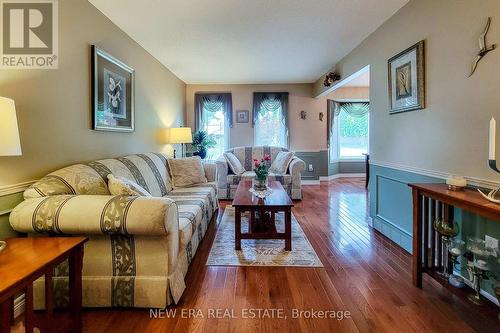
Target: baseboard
[15,188]
[342,175]
[310,181]
[473,181]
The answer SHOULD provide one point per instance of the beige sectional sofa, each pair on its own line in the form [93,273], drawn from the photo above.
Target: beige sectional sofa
[227,181]
[139,248]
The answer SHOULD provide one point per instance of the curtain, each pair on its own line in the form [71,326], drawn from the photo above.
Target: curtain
[211,103]
[271,102]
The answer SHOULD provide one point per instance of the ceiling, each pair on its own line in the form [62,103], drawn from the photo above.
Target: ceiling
[248,41]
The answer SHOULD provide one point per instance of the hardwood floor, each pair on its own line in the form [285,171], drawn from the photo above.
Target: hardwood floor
[364,273]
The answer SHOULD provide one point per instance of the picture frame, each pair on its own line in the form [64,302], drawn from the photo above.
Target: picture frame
[113,95]
[406,76]
[242,116]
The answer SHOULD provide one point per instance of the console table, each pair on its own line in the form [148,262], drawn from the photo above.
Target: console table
[26,259]
[431,201]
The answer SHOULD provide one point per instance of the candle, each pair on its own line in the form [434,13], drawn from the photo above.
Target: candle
[493,127]
[455,251]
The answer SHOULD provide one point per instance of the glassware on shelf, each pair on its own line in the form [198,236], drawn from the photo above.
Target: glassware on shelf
[479,267]
[447,231]
[456,249]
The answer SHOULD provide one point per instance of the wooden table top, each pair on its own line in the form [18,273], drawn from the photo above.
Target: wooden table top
[278,198]
[24,257]
[468,199]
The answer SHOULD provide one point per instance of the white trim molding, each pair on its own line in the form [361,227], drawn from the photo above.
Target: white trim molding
[473,181]
[310,182]
[15,188]
[341,175]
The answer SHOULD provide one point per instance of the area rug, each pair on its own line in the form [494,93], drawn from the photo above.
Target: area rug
[261,252]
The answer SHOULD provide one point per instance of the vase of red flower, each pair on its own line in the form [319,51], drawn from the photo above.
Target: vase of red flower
[261,173]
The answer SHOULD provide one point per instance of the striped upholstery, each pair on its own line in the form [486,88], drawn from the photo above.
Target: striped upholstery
[227,181]
[128,236]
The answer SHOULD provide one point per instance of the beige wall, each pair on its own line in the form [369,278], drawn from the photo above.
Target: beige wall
[53,106]
[305,135]
[451,133]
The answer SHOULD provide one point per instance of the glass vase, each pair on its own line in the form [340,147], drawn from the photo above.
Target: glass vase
[260,184]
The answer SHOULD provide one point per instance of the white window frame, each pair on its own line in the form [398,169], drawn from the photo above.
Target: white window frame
[227,133]
[286,134]
[338,158]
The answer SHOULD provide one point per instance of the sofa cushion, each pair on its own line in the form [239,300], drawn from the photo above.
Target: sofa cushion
[202,195]
[122,186]
[281,162]
[186,171]
[74,179]
[234,163]
[246,154]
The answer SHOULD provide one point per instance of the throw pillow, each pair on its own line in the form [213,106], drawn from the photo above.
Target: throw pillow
[123,186]
[281,162]
[186,171]
[234,163]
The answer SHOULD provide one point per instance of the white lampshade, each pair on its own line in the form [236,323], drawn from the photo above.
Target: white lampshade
[10,144]
[180,135]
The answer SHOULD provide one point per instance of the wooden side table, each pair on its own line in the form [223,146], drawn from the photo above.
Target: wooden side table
[27,259]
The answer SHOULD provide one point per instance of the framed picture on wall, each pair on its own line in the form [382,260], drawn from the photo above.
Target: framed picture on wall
[407,79]
[112,93]
[242,116]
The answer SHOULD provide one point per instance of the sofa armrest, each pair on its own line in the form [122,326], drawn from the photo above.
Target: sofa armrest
[210,171]
[222,171]
[97,214]
[296,167]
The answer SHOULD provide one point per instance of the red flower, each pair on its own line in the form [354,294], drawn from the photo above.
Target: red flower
[267,157]
[256,163]
[255,160]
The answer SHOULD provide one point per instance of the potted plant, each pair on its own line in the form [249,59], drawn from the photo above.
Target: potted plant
[201,142]
[261,172]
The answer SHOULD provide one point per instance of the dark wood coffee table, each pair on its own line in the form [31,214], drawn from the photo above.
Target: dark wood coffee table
[262,214]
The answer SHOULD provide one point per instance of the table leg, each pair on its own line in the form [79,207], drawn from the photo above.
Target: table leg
[237,229]
[5,316]
[49,300]
[417,239]
[75,287]
[288,229]
[28,308]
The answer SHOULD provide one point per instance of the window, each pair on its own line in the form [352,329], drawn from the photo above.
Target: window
[270,119]
[214,116]
[349,138]
[214,124]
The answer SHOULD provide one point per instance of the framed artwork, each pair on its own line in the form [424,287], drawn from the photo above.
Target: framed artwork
[242,116]
[112,93]
[407,79]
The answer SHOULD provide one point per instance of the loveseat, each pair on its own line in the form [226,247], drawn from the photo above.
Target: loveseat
[139,248]
[227,180]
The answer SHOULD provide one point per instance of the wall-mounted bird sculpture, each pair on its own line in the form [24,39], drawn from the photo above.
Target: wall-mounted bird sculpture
[483,49]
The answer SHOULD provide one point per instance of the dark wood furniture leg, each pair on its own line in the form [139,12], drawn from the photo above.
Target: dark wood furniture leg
[28,309]
[237,229]
[5,317]
[49,300]
[75,287]
[367,170]
[288,229]
[417,239]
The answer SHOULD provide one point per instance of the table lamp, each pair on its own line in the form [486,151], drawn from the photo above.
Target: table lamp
[180,135]
[10,144]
